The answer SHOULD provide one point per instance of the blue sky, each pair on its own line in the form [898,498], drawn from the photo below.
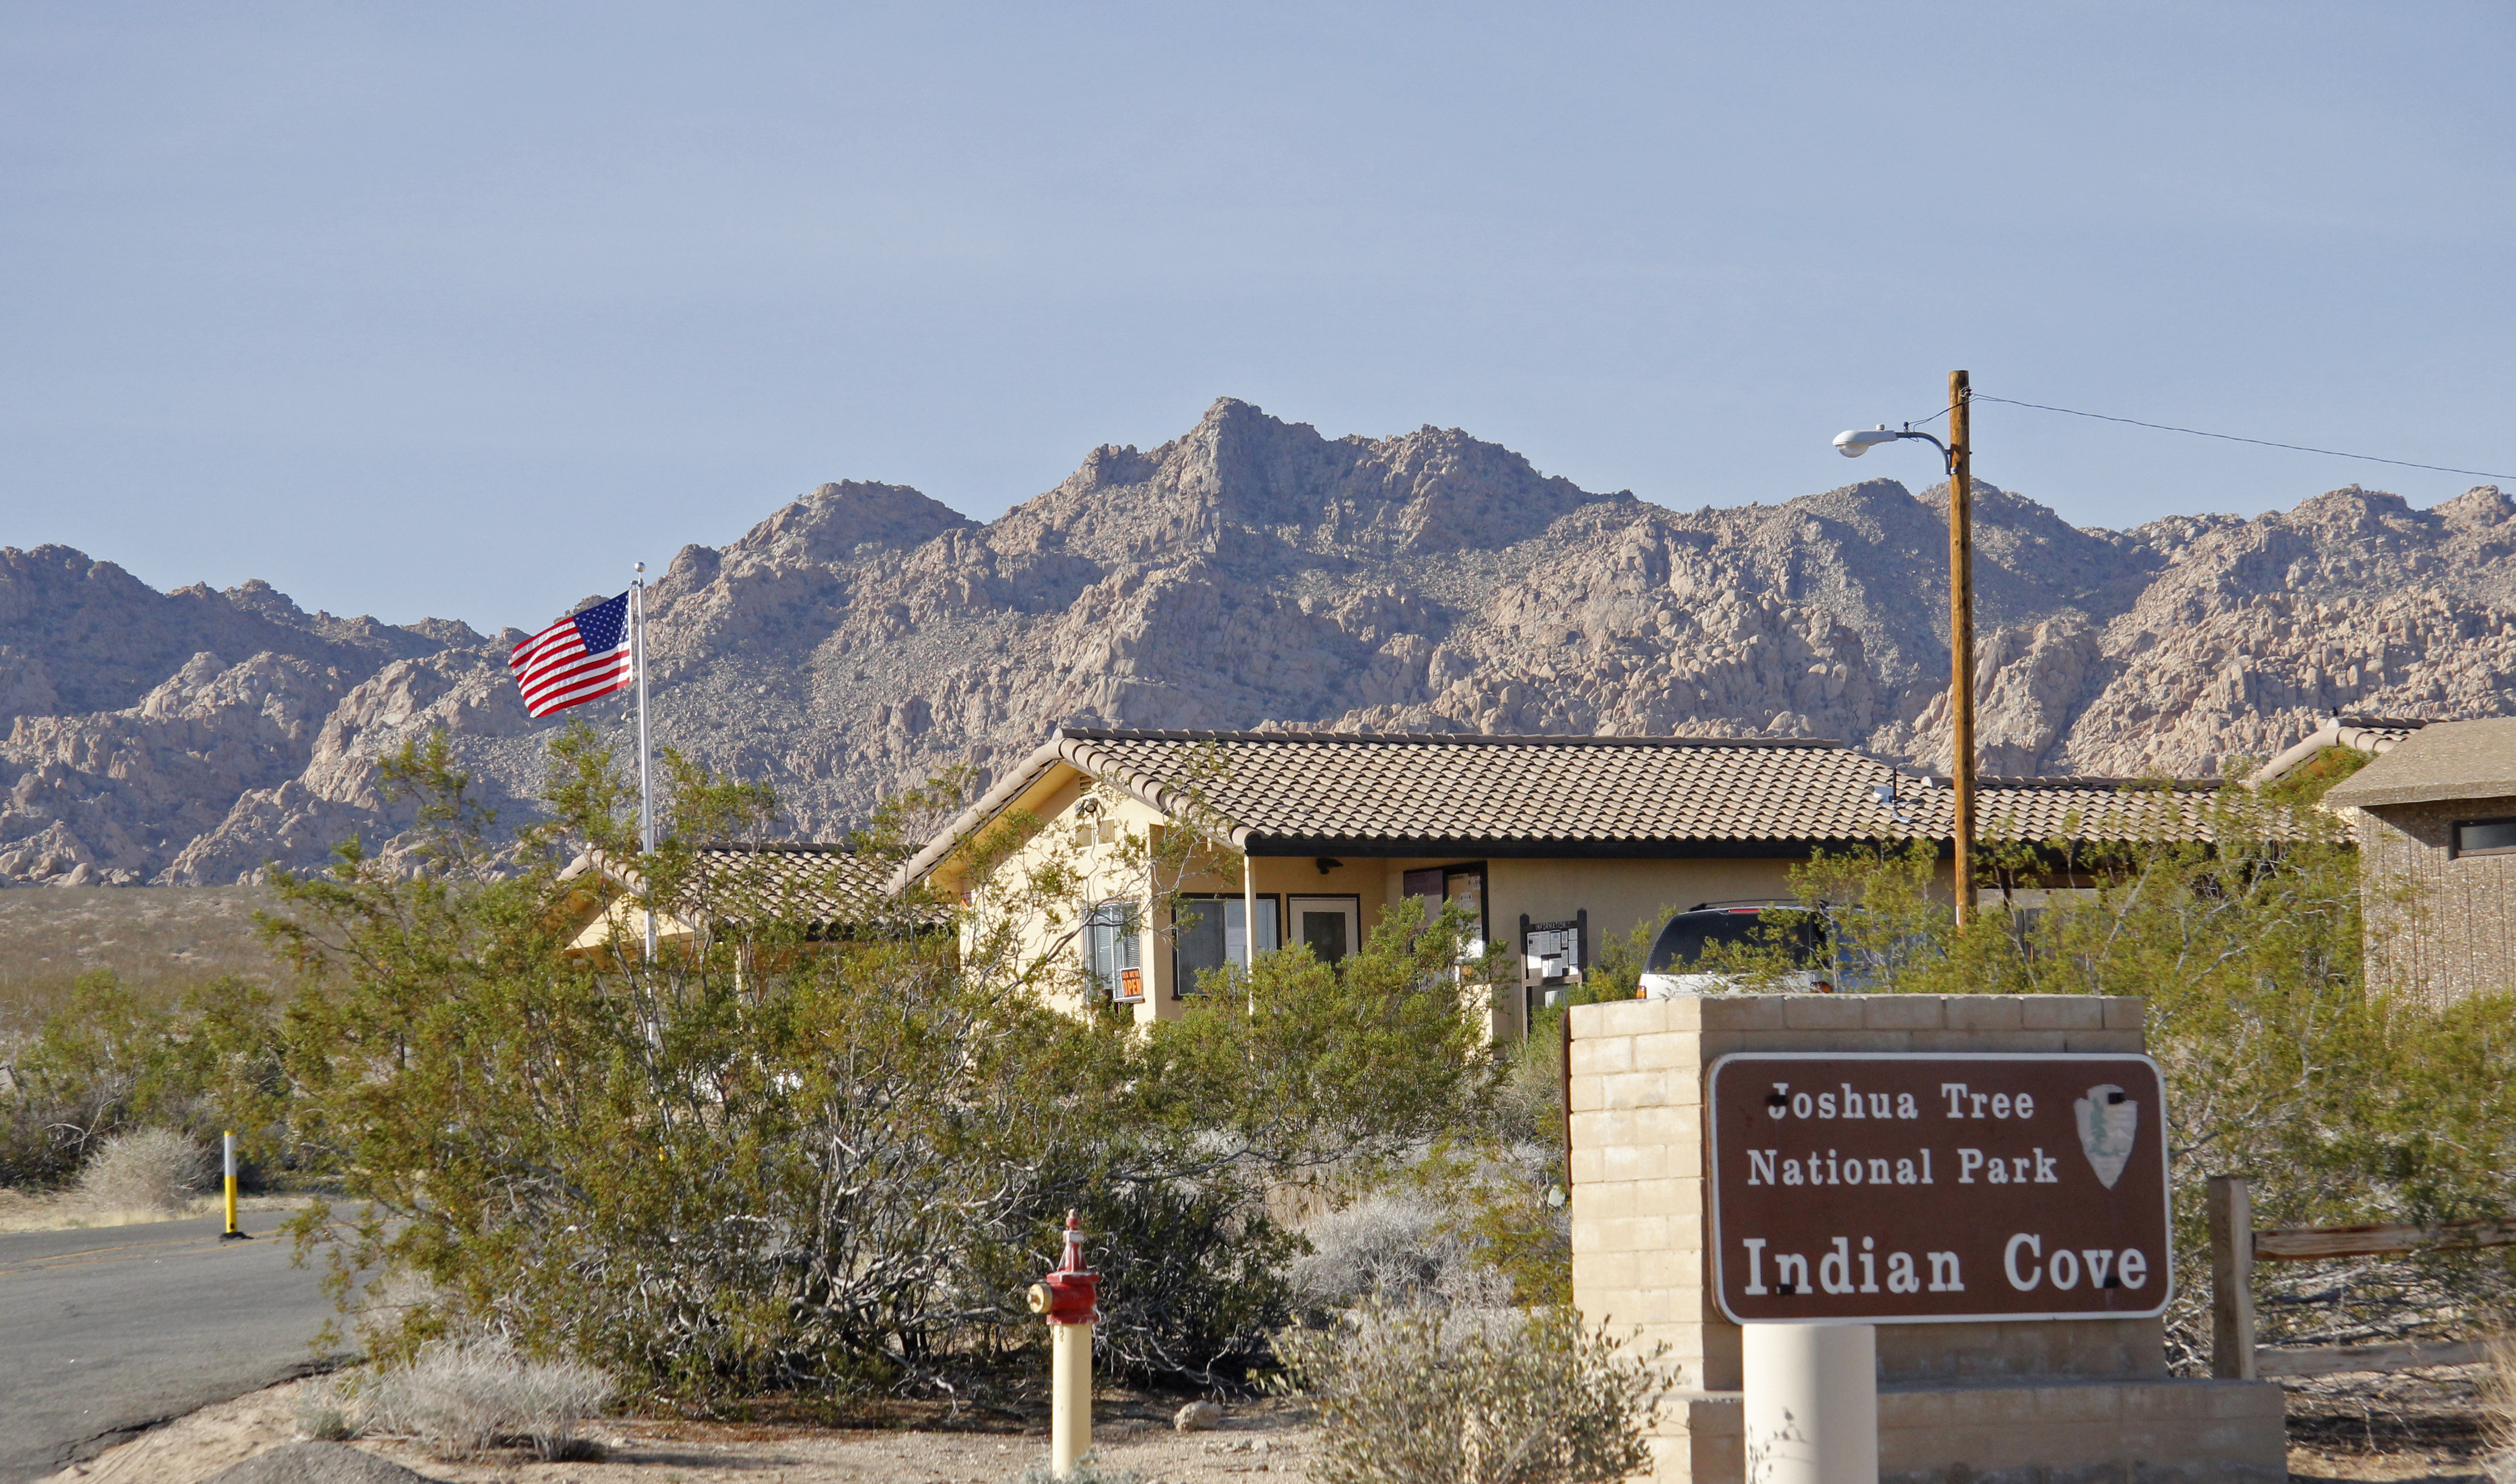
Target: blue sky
[456,309]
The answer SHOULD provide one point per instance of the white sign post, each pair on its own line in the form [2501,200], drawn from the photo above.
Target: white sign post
[1812,1403]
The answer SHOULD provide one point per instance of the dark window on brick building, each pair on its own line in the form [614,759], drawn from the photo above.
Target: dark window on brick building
[2486,837]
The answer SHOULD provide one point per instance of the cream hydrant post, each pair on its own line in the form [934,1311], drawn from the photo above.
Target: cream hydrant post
[1069,1297]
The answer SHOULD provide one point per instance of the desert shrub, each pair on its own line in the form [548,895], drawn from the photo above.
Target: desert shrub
[1396,1247]
[111,1060]
[1428,1394]
[1191,1270]
[461,1398]
[146,1170]
[812,1165]
[76,1080]
[327,1411]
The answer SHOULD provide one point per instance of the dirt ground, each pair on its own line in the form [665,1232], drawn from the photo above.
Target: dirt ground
[2423,1424]
[21,1212]
[2413,1429]
[1262,1438]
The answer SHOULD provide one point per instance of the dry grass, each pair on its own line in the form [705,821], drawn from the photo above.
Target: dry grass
[461,1398]
[1398,1247]
[21,1210]
[1423,1394]
[147,1170]
[160,940]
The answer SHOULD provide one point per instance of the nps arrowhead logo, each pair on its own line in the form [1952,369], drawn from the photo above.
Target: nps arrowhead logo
[2108,1121]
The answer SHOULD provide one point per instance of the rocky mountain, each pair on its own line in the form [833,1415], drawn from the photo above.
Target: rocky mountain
[1254,573]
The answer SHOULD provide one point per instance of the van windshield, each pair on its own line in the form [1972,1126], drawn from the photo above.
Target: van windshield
[1682,942]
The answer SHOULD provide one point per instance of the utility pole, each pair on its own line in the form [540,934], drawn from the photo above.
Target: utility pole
[1958,453]
[1961,637]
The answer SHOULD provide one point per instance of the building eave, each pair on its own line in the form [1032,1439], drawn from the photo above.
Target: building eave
[1063,752]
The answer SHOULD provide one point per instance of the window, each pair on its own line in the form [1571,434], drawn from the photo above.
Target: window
[1208,932]
[1464,884]
[2486,837]
[1112,952]
[1329,925]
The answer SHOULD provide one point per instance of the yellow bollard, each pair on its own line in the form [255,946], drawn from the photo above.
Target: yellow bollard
[232,1234]
[1069,1300]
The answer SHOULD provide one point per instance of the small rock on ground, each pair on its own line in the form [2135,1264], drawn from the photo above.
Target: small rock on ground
[1197,1417]
[317,1463]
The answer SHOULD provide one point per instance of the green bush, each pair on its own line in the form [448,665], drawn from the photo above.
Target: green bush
[785,1164]
[108,1062]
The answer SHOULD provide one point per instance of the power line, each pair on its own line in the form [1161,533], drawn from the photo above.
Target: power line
[2233,438]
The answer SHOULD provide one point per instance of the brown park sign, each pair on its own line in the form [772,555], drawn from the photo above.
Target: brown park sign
[1912,1188]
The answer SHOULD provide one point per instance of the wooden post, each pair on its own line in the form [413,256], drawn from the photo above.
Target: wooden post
[1961,636]
[2231,1279]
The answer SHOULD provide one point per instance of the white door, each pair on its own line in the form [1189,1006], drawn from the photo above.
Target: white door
[1330,925]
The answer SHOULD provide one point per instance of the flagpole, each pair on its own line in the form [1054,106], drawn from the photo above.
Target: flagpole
[645,777]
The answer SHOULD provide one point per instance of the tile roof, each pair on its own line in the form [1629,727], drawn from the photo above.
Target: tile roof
[820,884]
[2442,761]
[2063,808]
[1295,793]
[2366,734]
[792,883]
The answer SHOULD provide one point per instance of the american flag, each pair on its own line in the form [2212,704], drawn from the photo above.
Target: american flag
[582,656]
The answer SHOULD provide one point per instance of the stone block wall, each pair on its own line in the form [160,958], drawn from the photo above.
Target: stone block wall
[1639,1179]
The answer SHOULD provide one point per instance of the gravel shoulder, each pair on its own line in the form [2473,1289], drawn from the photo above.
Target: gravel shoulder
[2435,1444]
[1260,1439]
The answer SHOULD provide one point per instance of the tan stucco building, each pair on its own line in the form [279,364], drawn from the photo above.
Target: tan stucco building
[1555,844]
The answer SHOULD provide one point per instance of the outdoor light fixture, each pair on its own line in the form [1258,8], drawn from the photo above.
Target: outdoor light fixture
[1852,443]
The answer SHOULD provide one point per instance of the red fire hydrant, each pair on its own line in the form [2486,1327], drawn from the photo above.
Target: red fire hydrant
[1070,1299]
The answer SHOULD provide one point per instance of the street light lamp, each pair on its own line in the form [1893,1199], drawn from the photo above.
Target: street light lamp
[1958,456]
[1852,443]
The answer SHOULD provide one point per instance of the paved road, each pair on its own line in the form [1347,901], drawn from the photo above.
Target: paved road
[108,1332]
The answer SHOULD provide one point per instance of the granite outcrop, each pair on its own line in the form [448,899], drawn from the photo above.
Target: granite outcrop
[1255,573]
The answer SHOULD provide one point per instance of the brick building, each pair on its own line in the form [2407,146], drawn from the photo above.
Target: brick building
[2436,819]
